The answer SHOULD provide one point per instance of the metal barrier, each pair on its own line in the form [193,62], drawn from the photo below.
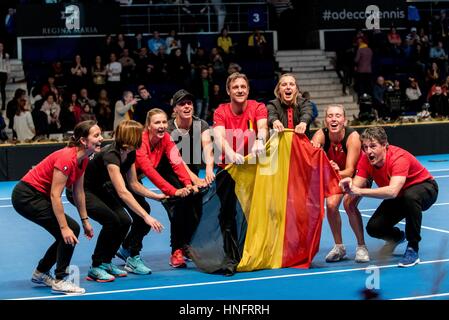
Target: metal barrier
[198,17]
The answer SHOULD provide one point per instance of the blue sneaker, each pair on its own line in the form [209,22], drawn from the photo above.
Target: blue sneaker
[136,265]
[390,246]
[123,254]
[409,259]
[112,269]
[99,274]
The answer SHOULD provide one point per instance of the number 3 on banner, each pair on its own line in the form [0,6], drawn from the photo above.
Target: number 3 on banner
[256,17]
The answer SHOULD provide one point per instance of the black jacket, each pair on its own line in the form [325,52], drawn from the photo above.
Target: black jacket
[278,111]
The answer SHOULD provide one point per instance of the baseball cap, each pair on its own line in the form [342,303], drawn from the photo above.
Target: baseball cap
[181,95]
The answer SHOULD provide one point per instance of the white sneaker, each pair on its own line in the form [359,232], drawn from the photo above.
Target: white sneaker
[66,287]
[361,254]
[42,278]
[337,253]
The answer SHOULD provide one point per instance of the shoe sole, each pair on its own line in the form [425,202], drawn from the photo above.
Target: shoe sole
[180,266]
[341,259]
[99,280]
[67,293]
[129,269]
[409,265]
[362,260]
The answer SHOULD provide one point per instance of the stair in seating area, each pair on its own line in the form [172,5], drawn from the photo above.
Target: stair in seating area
[315,73]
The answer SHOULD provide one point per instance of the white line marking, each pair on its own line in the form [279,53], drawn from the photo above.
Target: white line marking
[222,282]
[438,170]
[63,195]
[424,297]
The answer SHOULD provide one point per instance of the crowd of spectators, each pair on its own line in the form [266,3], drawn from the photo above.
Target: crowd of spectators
[399,72]
[128,77]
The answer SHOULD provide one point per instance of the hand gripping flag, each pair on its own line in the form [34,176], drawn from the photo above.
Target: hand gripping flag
[269,214]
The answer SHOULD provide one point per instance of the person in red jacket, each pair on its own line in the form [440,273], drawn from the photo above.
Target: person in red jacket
[156,145]
[37,197]
[406,186]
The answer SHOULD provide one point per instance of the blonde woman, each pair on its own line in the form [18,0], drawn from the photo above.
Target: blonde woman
[289,109]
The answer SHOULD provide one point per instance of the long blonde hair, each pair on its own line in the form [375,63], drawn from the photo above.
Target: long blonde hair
[152,113]
[277,90]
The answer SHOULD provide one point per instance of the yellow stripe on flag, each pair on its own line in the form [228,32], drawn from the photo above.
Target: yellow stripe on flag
[264,201]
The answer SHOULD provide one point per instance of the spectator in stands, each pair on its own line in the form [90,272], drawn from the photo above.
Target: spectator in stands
[124,108]
[99,74]
[344,66]
[5,69]
[59,74]
[234,67]
[439,105]
[215,99]
[23,121]
[342,146]
[432,75]
[394,100]
[395,41]
[363,68]
[438,54]
[103,112]
[10,28]
[144,66]
[11,108]
[257,44]
[128,66]
[145,103]
[218,64]
[379,97]
[202,87]
[114,71]
[109,46]
[49,87]
[85,99]
[70,113]
[413,37]
[224,41]
[156,42]
[78,74]
[88,113]
[52,109]
[172,42]
[178,67]
[413,95]
[3,135]
[160,63]
[306,95]
[289,110]
[121,43]
[198,60]
[136,44]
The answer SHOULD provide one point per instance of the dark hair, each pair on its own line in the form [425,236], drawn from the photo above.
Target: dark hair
[81,130]
[375,133]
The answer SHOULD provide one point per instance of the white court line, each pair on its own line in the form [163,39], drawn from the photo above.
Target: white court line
[200,284]
[436,295]
[422,227]
[438,170]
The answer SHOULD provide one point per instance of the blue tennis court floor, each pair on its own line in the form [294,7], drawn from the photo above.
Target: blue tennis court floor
[22,244]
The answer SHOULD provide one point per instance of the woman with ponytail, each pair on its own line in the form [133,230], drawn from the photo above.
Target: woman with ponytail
[37,197]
